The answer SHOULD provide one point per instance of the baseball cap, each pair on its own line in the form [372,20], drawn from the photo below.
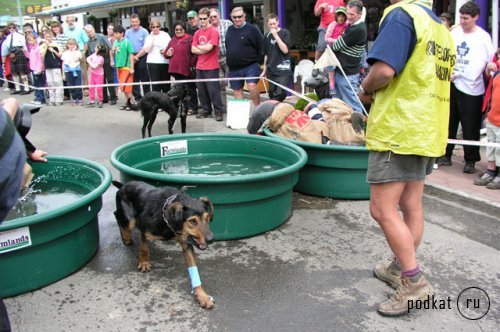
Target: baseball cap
[192,13]
[340,9]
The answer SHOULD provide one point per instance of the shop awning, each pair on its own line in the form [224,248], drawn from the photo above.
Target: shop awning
[97,5]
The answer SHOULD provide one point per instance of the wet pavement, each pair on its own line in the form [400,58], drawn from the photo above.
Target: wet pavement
[312,273]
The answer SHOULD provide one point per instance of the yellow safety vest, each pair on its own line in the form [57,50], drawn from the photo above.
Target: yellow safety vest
[410,115]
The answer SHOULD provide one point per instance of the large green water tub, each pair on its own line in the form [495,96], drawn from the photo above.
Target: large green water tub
[48,245]
[248,200]
[336,171]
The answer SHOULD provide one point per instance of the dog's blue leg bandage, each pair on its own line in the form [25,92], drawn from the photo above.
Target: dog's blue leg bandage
[194,276]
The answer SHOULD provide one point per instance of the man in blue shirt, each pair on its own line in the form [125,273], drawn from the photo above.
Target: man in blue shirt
[137,36]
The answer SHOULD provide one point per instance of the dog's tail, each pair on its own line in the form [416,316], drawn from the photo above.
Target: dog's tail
[117,184]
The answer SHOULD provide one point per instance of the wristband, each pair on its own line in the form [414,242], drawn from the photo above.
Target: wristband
[364,92]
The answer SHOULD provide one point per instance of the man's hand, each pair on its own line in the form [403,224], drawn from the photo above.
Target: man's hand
[38,155]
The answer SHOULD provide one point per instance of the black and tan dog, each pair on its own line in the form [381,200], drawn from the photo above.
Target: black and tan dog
[174,103]
[162,214]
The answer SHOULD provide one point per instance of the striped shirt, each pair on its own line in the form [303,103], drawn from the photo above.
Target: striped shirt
[349,47]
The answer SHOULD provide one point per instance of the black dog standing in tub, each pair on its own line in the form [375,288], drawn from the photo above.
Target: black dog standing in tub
[174,103]
[162,214]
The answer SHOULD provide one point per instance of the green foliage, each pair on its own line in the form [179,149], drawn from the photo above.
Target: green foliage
[302,103]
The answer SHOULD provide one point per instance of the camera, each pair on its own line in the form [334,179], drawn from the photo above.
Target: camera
[22,120]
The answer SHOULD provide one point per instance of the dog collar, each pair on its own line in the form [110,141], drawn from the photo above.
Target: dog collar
[167,203]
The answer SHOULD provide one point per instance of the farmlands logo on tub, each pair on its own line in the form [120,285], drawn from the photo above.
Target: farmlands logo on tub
[14,239]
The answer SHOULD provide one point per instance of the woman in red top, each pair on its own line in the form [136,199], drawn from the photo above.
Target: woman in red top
[182,61]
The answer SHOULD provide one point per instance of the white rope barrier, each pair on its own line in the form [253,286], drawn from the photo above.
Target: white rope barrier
[293,92]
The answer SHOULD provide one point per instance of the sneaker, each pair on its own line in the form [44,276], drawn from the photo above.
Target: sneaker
[469,167]
[80,102]
[6,89]
[73,102]
[59,103]
[91,104]
[388,271]
[112,102]
[444,161]
[484,179]
[49,103]
[36,102]
[100,104]
[219,116]
[494,184]
[203,115]
[408,290]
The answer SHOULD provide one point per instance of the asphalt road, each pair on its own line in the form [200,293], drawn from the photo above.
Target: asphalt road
[312,273]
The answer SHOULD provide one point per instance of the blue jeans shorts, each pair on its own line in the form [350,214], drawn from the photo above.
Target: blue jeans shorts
[252,70]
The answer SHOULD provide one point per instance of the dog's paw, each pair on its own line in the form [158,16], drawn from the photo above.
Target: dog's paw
[204,300]
[144,266]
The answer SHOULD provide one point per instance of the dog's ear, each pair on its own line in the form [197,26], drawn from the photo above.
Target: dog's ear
[209,207]
[175,214]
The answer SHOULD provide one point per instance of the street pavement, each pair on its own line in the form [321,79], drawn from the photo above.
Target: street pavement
[312,273]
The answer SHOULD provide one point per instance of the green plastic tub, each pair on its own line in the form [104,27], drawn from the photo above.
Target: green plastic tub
[44,247]
[336,171]
[248,200]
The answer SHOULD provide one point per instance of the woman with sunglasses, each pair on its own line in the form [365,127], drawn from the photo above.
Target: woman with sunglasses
[182,60]
[154,45]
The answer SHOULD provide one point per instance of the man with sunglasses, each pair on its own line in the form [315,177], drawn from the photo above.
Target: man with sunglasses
[206,45]
[222,26]
[14,47]
[244,47]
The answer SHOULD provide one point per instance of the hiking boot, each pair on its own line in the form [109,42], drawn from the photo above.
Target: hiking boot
[494,184]
[444,161]
[388,271]
[469,167]
[409,290]
[484,179]
[219,116]
[201,115]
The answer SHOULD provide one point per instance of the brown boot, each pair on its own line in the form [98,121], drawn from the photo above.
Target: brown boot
[409,290]
[388,271]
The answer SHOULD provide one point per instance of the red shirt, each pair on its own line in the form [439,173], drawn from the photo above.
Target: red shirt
[210,60]
[182,57]
[328,13]
[494,114]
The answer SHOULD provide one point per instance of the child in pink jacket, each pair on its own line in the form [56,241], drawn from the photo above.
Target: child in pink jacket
[37,67]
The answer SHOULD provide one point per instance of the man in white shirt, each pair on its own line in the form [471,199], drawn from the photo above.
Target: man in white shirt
[14,47]
[474,51]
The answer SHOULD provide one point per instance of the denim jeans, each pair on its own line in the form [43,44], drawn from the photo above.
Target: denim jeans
[39,82]
[345,93]
[75,78]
